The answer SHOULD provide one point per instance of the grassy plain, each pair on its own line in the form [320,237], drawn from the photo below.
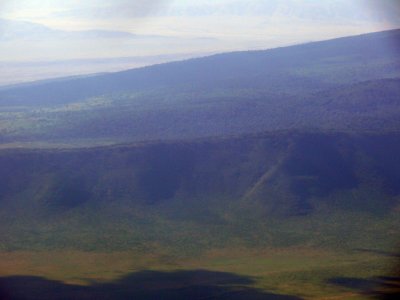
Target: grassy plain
[308,273]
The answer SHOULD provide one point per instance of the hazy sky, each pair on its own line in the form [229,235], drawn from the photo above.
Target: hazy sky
[183,26]
[54,30]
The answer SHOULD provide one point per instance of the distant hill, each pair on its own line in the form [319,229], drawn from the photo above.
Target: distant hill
[315,86]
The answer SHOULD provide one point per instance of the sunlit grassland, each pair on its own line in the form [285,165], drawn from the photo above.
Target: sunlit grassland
[322,248]
[300,271]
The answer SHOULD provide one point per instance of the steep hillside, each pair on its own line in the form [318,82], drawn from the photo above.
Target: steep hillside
[208,193]
[312,86]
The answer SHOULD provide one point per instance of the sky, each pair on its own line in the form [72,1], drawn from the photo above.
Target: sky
[56,31]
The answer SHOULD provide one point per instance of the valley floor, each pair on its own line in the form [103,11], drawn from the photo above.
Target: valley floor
[288,273]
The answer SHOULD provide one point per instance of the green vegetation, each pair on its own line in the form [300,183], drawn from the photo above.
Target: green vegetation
[305,272]
[350,84]
[302,214]
[275,175]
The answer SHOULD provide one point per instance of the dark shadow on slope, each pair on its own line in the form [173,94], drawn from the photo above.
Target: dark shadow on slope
[389,288]
[318,158]
[390,285]
[317,167]
[383,287]
[165,168]
[365,286]
[379,252]
[199,284]
[384,150]
[68,192]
